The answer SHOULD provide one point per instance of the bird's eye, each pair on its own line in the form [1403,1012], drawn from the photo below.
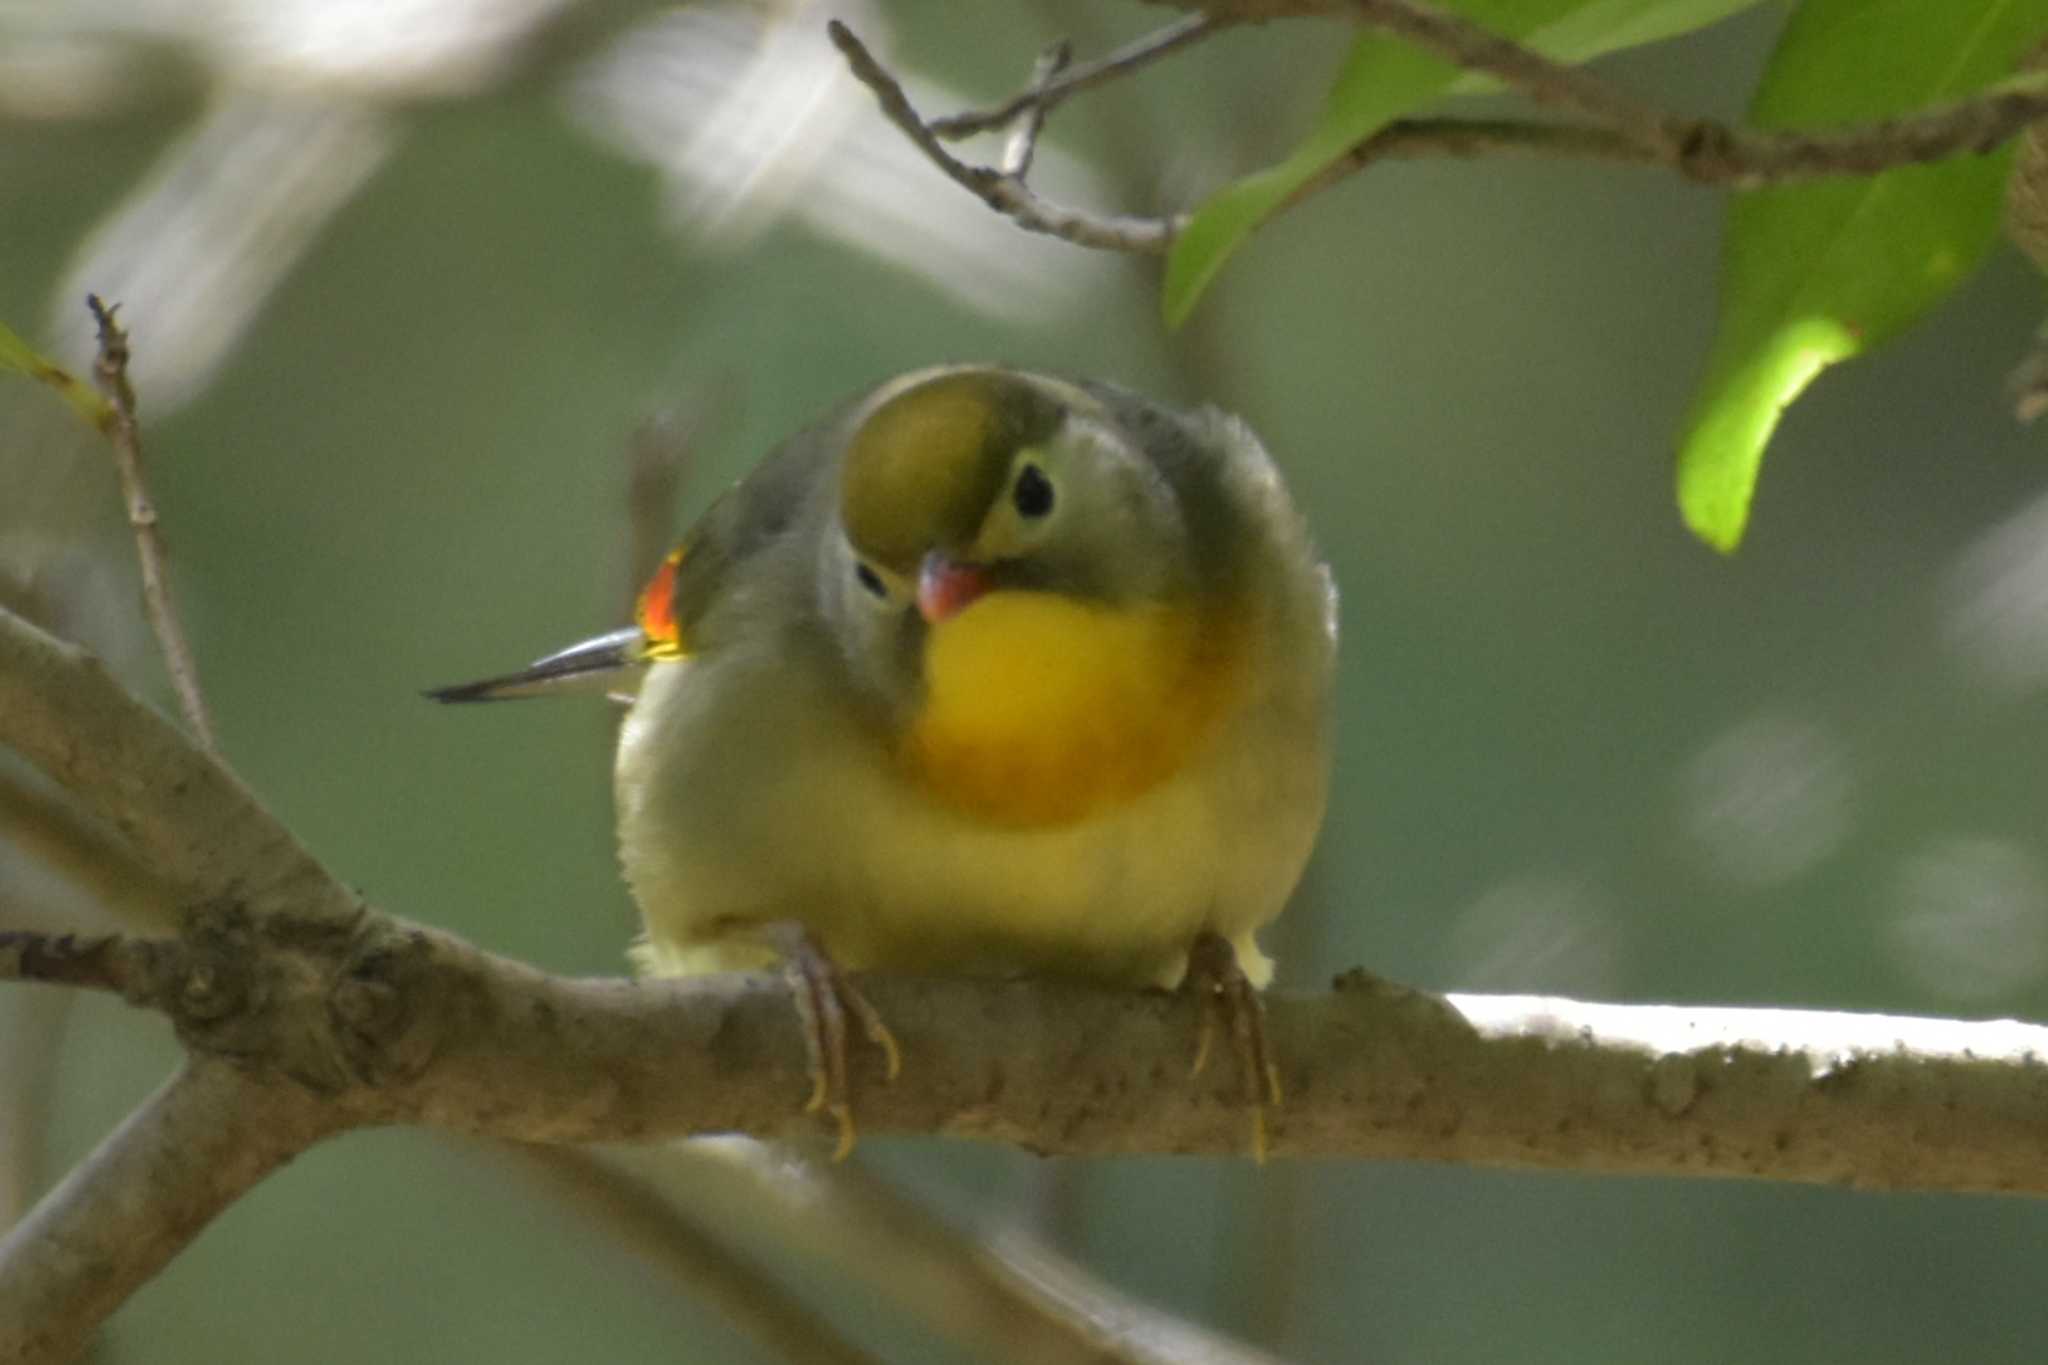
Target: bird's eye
[870,580]
[1032,495]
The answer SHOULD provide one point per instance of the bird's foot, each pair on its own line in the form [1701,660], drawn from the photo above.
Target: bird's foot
[824,997]
[1231,1003]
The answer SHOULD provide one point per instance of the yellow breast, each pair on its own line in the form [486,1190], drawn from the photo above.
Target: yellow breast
[1039,709]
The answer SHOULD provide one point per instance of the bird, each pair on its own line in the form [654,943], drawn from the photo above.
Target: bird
[988,672]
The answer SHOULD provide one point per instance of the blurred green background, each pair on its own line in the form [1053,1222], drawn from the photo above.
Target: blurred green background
[1578,753]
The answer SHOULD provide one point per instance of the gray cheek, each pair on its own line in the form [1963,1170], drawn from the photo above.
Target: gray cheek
[883,653]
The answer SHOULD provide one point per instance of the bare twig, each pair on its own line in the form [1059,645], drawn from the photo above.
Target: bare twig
[110,369]
[190,1151]
[1049,95]
[742,1293]
[1008,195]
[1623,128]
[1022,144]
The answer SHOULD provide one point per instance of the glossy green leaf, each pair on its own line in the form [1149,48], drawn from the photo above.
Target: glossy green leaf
[18,356]
[1814,274]
[1383,78]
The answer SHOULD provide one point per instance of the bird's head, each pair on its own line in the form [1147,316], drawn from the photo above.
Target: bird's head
[993,504]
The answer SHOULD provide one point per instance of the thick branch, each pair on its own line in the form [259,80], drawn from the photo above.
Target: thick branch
[45,824]
[194,1148]
[187,817]
[399,1023]
[334,1016]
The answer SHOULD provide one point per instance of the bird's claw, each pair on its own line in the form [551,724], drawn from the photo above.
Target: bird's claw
[1230,1001]
[824,997]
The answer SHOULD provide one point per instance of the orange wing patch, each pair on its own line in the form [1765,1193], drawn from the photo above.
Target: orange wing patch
[655,612]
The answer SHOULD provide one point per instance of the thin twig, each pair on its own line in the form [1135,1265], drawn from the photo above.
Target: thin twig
[101,962]
[1624,130]
[1045,98]
[1714,153]
[1471,47]
[1008,195]
[1022,144]
[1752,158]
[110,369]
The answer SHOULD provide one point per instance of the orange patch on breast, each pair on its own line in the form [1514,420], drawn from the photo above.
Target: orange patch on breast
[1039,709]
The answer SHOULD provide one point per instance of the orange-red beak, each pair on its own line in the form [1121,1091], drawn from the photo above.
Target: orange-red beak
[946,588]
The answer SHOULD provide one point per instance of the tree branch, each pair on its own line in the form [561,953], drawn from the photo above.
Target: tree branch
[1473,48]
[191,1150]
[1008,195]
[303,1020]
[400,1023]
[1001,1300]
[1622,128]
[1021,147]
[188,818]
[44,824]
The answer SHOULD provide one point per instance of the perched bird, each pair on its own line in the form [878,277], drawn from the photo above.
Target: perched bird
[987,672]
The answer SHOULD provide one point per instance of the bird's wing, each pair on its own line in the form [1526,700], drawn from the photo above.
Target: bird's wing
[749,517]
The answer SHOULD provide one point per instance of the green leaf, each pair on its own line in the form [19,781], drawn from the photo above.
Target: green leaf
[1814,274]
[1383,78]
[19,356]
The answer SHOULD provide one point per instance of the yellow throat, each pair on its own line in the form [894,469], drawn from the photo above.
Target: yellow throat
[1039,709]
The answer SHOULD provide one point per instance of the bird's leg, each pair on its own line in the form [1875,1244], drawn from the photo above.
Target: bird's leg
[1230,1001]
[824,997]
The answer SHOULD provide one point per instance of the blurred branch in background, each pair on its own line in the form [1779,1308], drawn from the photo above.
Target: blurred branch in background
[744,1294]
[996,1302]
